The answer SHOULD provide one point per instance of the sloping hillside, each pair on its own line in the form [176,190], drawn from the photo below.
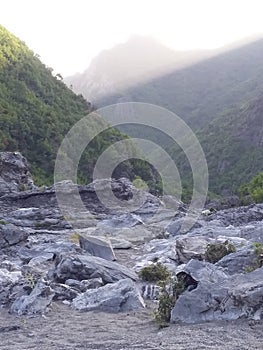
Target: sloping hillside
[233,145]
[200,92]
[37,110]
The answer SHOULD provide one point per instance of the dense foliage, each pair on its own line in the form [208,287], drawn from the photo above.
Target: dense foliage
[254,189]
[37,110]
[233,146]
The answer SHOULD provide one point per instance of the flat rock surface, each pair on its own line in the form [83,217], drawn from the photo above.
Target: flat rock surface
[66,329]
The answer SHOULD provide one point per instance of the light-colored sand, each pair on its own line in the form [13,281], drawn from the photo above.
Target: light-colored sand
[66,329]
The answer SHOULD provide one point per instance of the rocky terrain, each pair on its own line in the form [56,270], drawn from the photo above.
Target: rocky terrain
[72,282]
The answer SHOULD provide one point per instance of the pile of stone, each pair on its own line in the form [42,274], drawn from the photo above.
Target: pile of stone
[46,257]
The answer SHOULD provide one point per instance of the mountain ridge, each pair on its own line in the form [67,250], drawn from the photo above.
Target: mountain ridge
[126,64]
[220,99]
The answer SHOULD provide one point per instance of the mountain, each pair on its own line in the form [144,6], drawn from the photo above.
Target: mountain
[201,91]
[128,64]
[37,110]
[233,144]
[221,99]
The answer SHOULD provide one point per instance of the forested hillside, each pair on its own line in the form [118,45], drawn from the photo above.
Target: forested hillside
[37,110]
[233,144]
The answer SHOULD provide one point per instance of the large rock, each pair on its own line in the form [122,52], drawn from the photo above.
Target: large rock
[120,221]
[35,303]
[238,262]
[239,216]
[8,280]
[14,173]
[84,285]
[120,296]
[81,267]
[175,227]
[202,271]
[188,248]
[97,247]
[37,218]
[10,234]
[219,297]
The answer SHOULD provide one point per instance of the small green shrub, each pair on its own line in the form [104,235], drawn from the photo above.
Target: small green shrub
[3,222]
[170,290]
[216,251]
[139,183]
[23,187]
[258,248]
[154,273]
[258,262]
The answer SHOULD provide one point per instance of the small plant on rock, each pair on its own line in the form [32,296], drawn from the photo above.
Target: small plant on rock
[258,262]
[74,238]
[216,251]
[23,187]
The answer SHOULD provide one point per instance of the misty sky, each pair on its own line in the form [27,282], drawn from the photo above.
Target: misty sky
[67,34]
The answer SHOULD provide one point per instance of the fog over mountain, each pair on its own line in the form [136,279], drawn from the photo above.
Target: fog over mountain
[217,93]
[136,61]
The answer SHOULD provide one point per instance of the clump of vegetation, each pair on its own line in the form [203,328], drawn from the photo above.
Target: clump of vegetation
[3,222]
[74,238]
[258,250]
[155,273]
[170,290]
[37,110]
[23,187]
[216,251]
[254,190]
[139,183]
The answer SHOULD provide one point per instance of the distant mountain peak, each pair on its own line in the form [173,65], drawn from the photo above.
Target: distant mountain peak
[139,59]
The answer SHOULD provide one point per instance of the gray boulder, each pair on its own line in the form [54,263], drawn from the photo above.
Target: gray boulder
[97,247]
[84,285]
[14,173]
[120,221]
[81,267]
[238,262]
[8,281]
[176,227]
[117,297]
[188,248]
[202,271]
[11,235]
[63,291]
[219,298]
[35,303]
[119,243]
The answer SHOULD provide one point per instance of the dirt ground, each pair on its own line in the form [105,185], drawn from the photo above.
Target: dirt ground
[65,329]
